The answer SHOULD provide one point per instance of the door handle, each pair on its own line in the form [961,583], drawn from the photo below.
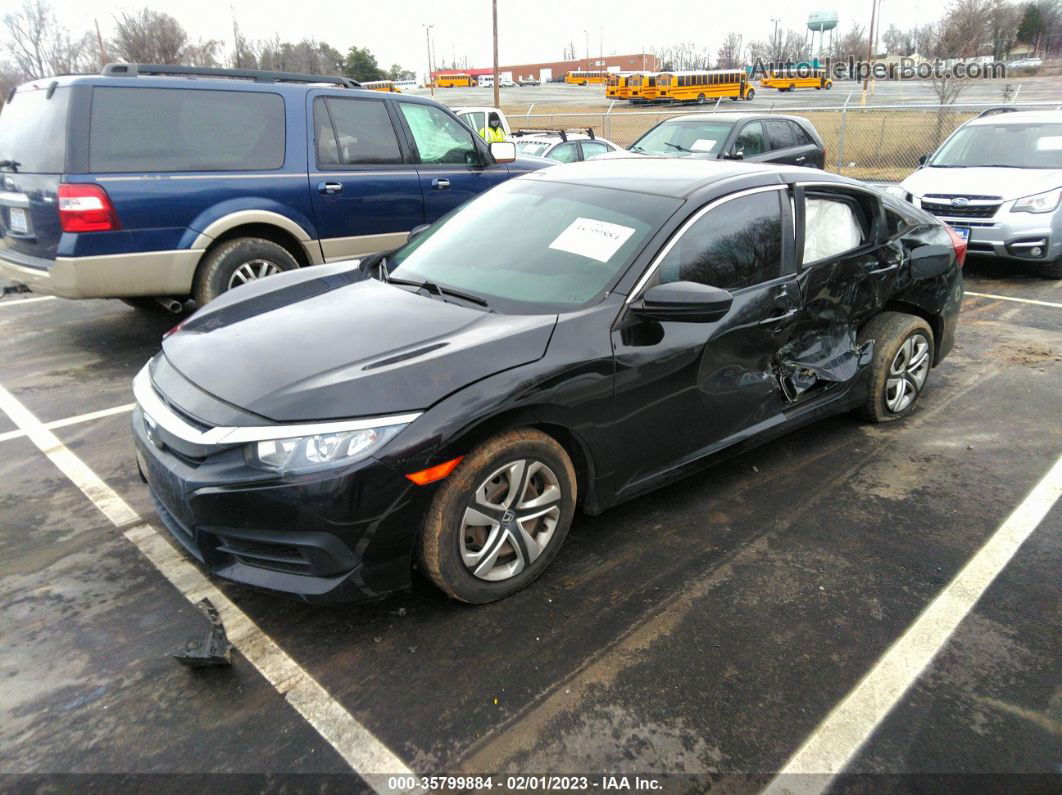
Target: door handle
[440,184]
[767,321]
[329,187]
[801,159]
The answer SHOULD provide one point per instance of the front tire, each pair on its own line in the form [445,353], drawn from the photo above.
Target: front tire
[750,94]
[500,518]
[237,262]
[903,357]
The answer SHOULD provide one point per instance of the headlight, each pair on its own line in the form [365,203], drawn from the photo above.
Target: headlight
[1040,203]
[307,453]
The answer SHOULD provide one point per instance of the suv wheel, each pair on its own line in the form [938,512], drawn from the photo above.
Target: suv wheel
[500,518]
[903,357]
[237,262]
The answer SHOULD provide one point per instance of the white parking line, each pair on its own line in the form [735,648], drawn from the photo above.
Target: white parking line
[365,754]
[836,741]
[68,421]
[21,301]
[1012,298]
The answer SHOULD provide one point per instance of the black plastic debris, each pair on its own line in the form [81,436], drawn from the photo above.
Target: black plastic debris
[213,649]
[831,357]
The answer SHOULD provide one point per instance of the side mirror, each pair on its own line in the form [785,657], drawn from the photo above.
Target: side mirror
[736,154]
[417,230]
[684,302]
[923,160]
[503,151]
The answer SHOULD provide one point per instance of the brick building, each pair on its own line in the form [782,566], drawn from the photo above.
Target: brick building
[547,70]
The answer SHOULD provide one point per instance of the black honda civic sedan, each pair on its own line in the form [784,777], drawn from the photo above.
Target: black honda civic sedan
[566,341]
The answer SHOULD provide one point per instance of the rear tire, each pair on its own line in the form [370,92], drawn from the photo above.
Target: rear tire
[899,371]
[750,94]
[1052,270]
[236,262]
[475,559]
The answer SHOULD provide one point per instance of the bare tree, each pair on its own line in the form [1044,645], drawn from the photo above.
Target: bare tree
[852,43]
[966,28]
[40,46]
[731,53]
[148,36]
[201,53]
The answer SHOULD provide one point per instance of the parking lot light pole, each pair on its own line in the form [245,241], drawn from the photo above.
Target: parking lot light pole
[427,38]
[494,14]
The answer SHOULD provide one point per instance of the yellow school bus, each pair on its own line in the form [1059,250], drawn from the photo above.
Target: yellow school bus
[641,87]
[703,86]
[382,85]
[586,78]
[792,79]
[616,81]
[453,80]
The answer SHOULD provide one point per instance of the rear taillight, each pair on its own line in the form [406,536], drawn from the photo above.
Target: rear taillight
[86,208]
[958,244]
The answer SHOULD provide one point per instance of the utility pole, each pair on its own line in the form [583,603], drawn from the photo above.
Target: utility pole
[775,55]
[427,41]
[497,88]
[99,40]
[587,34]
[870,48]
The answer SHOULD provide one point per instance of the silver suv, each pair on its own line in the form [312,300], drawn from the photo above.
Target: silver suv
[998,181]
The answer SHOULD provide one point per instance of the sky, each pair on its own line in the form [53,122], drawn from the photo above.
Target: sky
[528,31]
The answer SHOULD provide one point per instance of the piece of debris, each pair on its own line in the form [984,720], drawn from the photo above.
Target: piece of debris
[377,639]
[399,612]
[213,649]
[412,649]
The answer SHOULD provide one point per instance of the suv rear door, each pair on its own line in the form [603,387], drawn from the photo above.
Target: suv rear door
[365,188]
[33,148]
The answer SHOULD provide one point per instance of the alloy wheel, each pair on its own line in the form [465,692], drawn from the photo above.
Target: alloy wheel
[510,519]
[907,373]
[252,271]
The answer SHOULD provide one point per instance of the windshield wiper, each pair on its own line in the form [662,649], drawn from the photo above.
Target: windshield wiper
[8,163]
[680,148]
[440,291]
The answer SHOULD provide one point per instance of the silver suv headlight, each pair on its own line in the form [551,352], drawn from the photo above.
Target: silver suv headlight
[1040,203]
[308,453]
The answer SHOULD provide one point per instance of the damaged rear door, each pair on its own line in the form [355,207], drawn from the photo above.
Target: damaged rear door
[846,277]
[684,388]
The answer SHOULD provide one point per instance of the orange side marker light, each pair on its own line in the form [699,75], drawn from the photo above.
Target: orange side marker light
[437,472]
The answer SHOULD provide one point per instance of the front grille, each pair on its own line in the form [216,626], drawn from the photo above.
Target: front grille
[979,207]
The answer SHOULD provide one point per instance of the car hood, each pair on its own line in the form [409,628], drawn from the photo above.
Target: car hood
[1010,183]
[340,346]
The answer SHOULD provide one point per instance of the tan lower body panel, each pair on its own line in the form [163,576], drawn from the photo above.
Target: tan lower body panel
[338,248]
[112,276]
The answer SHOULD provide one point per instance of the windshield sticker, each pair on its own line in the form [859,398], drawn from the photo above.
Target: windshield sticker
[1050,143]
[702,145]
[594,239]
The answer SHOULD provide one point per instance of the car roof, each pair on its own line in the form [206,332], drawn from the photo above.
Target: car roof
[675,177]
[733,117]
[1020,117]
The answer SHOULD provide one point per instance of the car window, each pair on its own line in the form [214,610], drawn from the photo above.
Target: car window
[780,134]
[440,138]
[751,140]
[1033,145]
[536,148]
[175,129]
[593,149]
[800,135]
[361,134]
[564,153]
[831,227]
[680,138]
[33,130]
[477,120]
[571,241]
[735,245]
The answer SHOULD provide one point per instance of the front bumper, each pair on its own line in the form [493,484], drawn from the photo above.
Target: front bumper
[1013,236]
[110,276]
[335,536]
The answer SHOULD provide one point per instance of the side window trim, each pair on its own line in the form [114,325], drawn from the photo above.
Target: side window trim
[643,281]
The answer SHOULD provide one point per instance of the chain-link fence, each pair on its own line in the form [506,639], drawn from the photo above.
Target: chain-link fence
[881,143]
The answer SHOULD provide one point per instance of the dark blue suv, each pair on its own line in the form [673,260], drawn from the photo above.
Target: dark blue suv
[176,181]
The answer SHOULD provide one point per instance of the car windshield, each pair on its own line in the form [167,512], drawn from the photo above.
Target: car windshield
[535,148]
[33,130]
[1006,145]
[683,138]
[530,247]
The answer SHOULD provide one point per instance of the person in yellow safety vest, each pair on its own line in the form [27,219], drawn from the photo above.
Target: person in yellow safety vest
[493,131]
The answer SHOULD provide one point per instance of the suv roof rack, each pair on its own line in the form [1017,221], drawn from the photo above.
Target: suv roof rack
[556,131]
[257,75]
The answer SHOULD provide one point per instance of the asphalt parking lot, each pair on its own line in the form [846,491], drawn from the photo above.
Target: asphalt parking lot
[710,629]
[559,97]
